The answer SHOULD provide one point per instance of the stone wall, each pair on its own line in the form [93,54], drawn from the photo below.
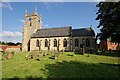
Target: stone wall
[13,49]
[70,45]
[52,48]
[7,48]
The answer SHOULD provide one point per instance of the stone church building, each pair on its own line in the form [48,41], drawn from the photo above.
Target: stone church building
[60,39]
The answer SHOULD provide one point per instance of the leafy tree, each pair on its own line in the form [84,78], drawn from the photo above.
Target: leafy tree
[10,43]
[18,43]
[2,43]
[109,17]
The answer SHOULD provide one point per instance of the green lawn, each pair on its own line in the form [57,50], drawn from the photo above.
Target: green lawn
[65,66]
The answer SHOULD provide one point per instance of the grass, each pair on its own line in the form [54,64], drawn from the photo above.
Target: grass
[65,66]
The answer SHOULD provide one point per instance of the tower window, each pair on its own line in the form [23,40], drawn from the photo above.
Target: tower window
[46,43]
[55,43]
[65,43]
[38,21]
[37,43]
[76,42]
[30,21]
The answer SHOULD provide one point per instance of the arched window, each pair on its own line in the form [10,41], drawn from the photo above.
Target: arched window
[65,43]
[46,43]
[76,42]
[37,43]
[71,42]
[87,42]
[83,41]
[30,19]
[55,43]
[30,24]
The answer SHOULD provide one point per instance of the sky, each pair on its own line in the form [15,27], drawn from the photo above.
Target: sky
[54,14]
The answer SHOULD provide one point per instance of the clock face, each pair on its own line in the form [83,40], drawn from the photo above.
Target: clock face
[39,21]
[30,19]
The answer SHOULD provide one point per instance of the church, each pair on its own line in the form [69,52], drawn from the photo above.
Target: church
[34,37]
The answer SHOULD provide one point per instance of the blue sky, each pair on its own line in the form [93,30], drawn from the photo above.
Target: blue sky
[54,14]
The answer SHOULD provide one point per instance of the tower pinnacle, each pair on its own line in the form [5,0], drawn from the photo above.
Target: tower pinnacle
[35,10]
[26,11]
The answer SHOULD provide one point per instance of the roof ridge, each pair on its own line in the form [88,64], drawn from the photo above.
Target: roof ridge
[55,28]
[80,28]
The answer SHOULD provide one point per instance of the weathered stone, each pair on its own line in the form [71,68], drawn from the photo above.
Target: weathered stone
[10,55]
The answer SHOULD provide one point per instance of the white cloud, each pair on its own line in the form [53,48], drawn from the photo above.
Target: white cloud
[21,20]
[46,25]
[10,34]
[14,41]
[0,4]
[6,5]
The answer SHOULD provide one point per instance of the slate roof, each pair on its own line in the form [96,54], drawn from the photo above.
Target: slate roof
[83,32]
[62,32]
[52,32]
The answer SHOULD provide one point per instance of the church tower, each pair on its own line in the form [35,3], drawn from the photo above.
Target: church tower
[33,22]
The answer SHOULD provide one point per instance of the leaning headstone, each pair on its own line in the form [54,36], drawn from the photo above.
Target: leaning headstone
[82,51]
[62,51]
[56,55]
[1,55]
[29,57]
[10,55]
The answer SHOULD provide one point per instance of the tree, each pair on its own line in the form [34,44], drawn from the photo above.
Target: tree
[3,43]
[109,17]
[10,43]
[18,43]
[0,42]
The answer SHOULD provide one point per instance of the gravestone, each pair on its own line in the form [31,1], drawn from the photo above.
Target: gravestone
[56,55]
[10,55]
[1,55]
[81,49]
[34,56]
[29,57]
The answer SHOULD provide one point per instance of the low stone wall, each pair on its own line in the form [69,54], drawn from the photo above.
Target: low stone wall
[13,49]
[7,48]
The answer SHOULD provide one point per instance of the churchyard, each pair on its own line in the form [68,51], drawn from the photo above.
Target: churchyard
[59,65]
